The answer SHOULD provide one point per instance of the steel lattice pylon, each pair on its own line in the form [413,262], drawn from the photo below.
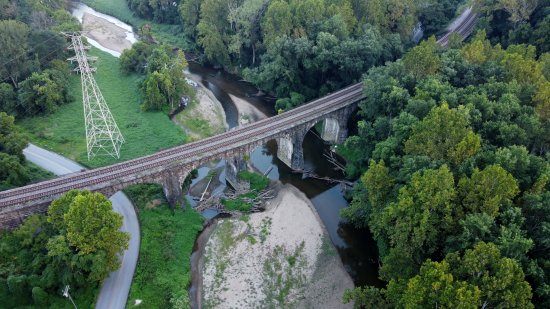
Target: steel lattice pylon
[102,133]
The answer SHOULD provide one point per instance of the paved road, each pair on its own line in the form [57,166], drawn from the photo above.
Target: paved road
[114,291]
[51,161]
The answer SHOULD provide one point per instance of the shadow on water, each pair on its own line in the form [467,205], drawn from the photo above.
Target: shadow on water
[356,247]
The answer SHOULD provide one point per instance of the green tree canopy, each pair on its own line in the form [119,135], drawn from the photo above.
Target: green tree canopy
[165,83]
[90,229]
[500,280]
[418,222]
[8,98]
[435,287]
[445,134]
[487,190]
[43,93]
[422,60]
[14,58]
[12,141]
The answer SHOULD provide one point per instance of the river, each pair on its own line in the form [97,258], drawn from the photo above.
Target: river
[356,247]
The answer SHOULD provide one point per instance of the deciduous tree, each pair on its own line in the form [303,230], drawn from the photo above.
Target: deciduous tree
[445,134]
[14,58]
[422,61]
[89,231]
[418,222]
[487,190]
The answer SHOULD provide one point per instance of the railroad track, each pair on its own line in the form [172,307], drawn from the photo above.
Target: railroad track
[208,147]
[189,152]
[465,28]
[296,113]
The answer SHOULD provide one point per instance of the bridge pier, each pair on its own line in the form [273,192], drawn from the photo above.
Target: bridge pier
[172,186]
[290,151]
[335,128]
[233,166]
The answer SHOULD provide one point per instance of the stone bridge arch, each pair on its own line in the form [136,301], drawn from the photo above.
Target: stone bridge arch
[334,130]
[171,181]
[335,125]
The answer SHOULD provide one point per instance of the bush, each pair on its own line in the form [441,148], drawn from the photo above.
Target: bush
[167,237]
[17,285]
[257,182]
[39,296]
[180,300]
[237,205]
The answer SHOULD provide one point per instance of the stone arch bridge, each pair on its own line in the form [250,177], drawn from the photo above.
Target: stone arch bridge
[170,167]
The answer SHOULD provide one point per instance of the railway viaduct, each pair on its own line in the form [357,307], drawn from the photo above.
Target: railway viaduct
[170,167]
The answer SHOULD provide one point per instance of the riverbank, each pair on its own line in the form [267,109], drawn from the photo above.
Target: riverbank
[107,34]
[204,117]
[280,256]
[119,8]
[144,132]
[248,113]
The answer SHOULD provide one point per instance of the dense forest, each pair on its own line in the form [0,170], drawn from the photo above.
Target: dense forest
[299,49]
[452,147]
[451,144]
[33,74]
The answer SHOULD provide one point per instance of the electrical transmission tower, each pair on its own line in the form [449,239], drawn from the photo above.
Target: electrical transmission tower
[102,133]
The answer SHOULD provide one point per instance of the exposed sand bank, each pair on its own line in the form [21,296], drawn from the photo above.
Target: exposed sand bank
[200,120]
[209,111]
[248,113]
[244,259]
[105,33]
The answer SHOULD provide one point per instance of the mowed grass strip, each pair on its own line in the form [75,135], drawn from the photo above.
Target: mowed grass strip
[144,132]
[163,273]
[165,33]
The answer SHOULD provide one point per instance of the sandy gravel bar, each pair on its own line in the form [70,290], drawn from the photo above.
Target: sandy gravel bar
[106,33]
[279,258]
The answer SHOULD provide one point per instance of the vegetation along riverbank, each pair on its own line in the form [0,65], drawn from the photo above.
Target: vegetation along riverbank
[63,130]
[167,236]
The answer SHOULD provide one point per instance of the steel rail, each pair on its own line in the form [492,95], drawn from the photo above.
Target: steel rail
[211,147]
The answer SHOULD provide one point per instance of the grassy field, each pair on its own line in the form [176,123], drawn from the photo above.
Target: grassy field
[145,133]
[170,34]
[167,237]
